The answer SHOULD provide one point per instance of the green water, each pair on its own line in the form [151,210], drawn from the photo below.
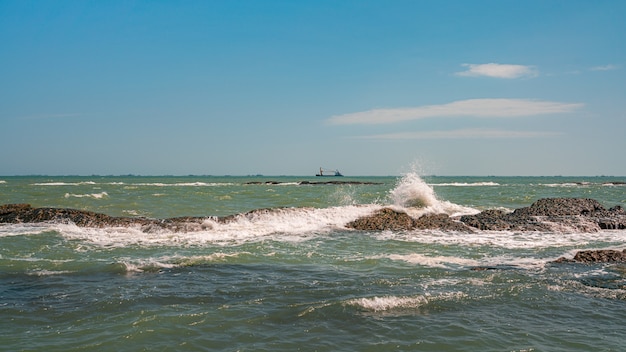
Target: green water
[296,279]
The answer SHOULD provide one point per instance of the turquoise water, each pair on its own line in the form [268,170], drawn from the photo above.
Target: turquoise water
[296,278]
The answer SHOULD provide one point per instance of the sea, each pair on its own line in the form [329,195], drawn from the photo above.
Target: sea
[294,277]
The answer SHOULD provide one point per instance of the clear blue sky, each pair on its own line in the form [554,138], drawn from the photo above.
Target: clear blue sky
[284,87]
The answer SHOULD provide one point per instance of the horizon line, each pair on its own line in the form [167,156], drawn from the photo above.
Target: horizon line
[313,176]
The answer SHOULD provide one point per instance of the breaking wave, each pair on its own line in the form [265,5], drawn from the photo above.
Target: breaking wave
[378,304]
[465,184]
[418,198]
[90,195]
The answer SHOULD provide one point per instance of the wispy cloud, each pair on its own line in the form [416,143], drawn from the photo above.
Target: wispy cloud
[498,71]
[463,134]
[605,68]
[493,108]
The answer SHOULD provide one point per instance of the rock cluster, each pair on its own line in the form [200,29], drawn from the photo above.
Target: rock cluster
[389,219]
[24,213]
[549,214]
[596,256]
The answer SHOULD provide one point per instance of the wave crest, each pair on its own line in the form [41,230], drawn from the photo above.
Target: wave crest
[419,198]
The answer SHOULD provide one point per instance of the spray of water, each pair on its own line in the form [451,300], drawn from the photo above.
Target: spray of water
[412,191]
[416,198]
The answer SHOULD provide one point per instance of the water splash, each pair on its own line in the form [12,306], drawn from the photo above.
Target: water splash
[412,191]
[416,197]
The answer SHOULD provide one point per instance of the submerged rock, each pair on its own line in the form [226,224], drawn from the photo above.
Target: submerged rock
[596,256]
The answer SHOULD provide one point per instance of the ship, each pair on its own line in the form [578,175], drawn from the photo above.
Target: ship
[327,173]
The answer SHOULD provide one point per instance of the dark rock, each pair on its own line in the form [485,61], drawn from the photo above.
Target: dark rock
[384,219]
[497,220]
[440,222]
[7,209]
[561,207]
[596,256]
[389,219]
[552,214]
[24,213]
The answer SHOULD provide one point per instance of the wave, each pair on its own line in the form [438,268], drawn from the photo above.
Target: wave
[64,183]
[91,195]
[506,239]
[402,303]
[411,195]
[139,265]
[417,198]
[385,303]
[45,272]
[465,184]
[433,261]
[451,262]
[284,224]
[583,184]
[151,184]
[567,184]
[184,184]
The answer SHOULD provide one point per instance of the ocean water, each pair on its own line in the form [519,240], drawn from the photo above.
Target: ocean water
[295,279]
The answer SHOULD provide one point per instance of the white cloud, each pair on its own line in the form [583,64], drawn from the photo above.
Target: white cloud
[498,70]
[472,107]
[605,68]
[463,134]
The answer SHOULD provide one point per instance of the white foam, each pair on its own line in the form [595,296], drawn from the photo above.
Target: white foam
[168,262]
[465,184]
[3,181]
[567,184]
[64,183]
[505,239]
[433,261]
[184,184]
[448,262]
[90,195]
[8,230]
[415,197]
[44,272]
[385,303]
[289,224]
[392,303]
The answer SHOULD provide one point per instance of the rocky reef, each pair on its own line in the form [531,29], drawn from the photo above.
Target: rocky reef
[390,219]
[24,213]
[548,214]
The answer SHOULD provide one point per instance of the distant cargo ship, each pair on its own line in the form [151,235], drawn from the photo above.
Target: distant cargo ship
[328,173]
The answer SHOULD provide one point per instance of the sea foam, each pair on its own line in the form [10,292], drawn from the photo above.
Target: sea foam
[89,195]
[378,304]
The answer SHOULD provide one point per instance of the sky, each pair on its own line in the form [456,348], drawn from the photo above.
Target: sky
[285,87]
